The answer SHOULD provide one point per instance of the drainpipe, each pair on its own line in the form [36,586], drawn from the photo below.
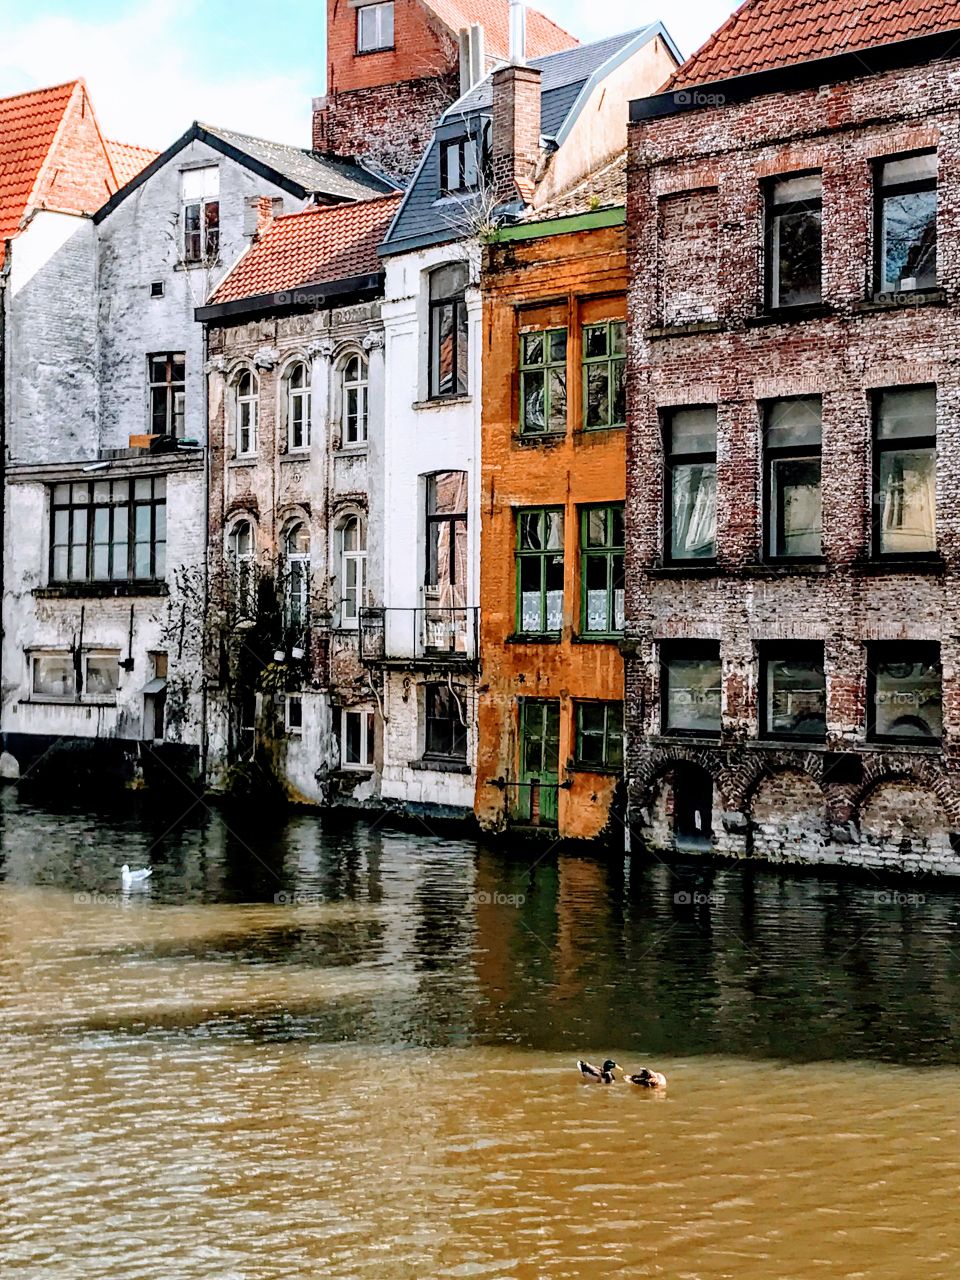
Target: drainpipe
[204,739]
[4,277]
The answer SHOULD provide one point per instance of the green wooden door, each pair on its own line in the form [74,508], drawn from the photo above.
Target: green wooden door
[539,761]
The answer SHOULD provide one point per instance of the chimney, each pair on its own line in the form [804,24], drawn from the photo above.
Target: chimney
[516,131]
[472,60]
[259,213]
[518,33]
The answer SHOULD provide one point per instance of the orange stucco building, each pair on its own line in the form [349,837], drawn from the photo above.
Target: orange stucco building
[552,538]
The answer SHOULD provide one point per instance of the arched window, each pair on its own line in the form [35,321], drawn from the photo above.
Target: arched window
[241,547]
[353,570]
[248,395]
[297,385]
[296,551]
[448,331]
[355,401]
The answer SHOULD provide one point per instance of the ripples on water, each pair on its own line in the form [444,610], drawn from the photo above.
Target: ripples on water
[373,1076]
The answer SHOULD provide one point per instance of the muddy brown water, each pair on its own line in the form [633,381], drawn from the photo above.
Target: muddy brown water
[310,1050]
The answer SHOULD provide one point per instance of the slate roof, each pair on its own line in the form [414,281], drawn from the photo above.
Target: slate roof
[319,245]
[765,34]
[426,217]
[543,35]
[128,159]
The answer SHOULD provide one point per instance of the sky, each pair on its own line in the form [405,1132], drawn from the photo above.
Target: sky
[249,65]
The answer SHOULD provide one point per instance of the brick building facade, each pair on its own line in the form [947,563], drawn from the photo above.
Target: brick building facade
[794,457]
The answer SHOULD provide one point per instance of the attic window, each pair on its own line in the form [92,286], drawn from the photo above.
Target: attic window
[375,27]
[156,289]
[459,166]
[200,193]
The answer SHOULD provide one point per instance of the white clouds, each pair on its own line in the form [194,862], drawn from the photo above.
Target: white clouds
[148,79]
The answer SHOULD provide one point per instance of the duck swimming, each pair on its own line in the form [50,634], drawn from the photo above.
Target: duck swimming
[647,1079]
[598,1075]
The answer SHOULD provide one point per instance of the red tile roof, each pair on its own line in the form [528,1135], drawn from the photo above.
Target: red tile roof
[764,34]
[543,35]
[319,245]
[28,127]
[128,159]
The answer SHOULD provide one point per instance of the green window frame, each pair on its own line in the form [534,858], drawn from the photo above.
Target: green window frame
[602,554]
[539,557]
[599,741]
[543,382]
[605,375]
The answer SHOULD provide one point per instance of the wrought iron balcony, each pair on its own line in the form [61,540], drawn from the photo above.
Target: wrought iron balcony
[432,635]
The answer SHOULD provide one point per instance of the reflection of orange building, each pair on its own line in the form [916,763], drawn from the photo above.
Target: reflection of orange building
[552,540]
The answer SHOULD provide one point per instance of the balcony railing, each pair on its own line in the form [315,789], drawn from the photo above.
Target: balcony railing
[431,633]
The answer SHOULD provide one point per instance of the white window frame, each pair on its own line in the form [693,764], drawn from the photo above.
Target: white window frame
[293,730]
[290,559]
[361,386]
[379,17]
[243,592]
[73,698]
[206,181]
[248,414]
[298,396]
[368,736]
[358,558]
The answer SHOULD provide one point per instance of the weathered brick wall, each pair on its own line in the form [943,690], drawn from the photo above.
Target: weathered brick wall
[698,336]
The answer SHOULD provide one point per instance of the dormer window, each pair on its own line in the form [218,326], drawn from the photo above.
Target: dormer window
[374,27]
[459,166]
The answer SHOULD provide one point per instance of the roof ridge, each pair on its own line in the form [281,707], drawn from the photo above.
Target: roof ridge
[313,209]
[47,88]
[253,137]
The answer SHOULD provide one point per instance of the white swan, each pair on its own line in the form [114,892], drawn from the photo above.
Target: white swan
[134,877]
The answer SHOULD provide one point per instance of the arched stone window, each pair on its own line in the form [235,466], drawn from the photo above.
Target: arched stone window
[241,548]
[355,410]
[248,413]
[353,570]
[296,578]
[296,383]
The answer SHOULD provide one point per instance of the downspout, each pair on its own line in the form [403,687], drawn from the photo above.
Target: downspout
[4,278]
[204,738]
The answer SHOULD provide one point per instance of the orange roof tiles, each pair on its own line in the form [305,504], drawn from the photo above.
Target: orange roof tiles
[764,34]
[319,245]
[543,35]
[128,159]
[28,128]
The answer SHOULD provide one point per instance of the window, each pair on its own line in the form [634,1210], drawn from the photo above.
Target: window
[201,213]
[156,289]
[543,382]
[794,700]
[355,401]
[794,241]
[690,490]
[296,548]
[374,27]
[602,542]
[297,383]
[66,677]
[445,722]
[248,399]
[906,224]
[353,570]
[109,531]
[540,571]
[167,394]
[357,739]
[791,439]
[904,692]
[905,472]
[242,545]
[293,715]
[459,165]
[690,684]
[448,331]
[605,375]
[446,568]
[599,735]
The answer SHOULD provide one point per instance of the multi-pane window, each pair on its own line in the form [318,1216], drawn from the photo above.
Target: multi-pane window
[540,571]
[296,549]
[241,547]
[690,488]
[794,241]
[459,165]
[167,394]
[543,382]
[109,531]
[201,213]
[248,403]
[446,567]
[605,375]
[355,401]
[297,383]
[791,446]
[602,544]
[448,331]
[374,27]
[794,692]
[906,224]
[690,687]
[357,738]
[353,570]
[905,472]
[445,722]
[599,743]
[904,692]
[64,676]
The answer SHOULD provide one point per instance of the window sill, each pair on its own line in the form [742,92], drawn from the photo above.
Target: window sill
[902,301]
[68,702]
[440,764]
[601,770]
[580,432]
[203,264]
[522,637]
[597,637]
[548,438]
[440,402]
[932,565]
[372,53]
[243,460]
[684,330]
[351,451]
[98,590]
[712,741]
[695,569]
[790,315]
[294,455]
[901,744]
[785,568]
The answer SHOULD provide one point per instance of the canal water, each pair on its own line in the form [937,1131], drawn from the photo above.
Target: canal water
[315,1050]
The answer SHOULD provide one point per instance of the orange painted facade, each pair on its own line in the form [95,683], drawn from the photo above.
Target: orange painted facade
[547,685]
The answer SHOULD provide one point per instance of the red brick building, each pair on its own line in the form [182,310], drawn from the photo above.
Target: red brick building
[793,526]
[394,66]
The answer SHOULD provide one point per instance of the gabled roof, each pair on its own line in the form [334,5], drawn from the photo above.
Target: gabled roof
[543,35]
[301,173]
[128,159]
[766,34]
[325,245]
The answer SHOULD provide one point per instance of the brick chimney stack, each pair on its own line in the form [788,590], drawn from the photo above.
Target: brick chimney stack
[516,131]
